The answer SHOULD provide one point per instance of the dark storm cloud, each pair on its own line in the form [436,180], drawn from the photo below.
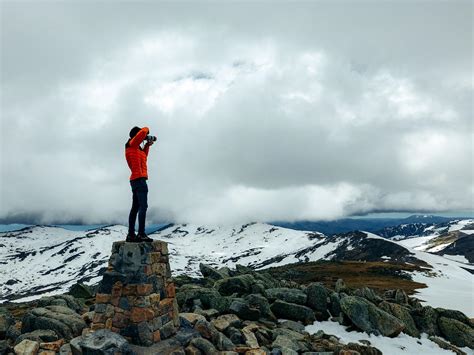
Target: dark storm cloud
[263,111]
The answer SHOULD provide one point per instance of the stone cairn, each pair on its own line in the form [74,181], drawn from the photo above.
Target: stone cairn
[136,297]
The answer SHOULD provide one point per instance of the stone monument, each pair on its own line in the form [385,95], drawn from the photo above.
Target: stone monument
[136,297]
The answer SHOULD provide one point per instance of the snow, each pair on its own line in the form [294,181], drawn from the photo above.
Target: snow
[458,258]
[460,224]
[449,284]
[402,344]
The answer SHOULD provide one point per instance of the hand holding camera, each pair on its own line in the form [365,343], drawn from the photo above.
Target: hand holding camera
[150,139]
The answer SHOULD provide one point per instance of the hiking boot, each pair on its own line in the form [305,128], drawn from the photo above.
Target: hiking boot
[142,237]
[131,237]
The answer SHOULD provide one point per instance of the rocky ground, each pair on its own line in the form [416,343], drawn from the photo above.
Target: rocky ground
[238,311]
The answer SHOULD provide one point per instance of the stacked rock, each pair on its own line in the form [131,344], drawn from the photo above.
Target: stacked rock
[136,297]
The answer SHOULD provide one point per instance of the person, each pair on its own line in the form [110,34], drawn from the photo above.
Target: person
[136,157]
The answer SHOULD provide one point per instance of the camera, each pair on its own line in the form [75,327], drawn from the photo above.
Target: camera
[150,138]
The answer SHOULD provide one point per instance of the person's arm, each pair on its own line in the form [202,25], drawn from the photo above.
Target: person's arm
[139,137]
[146,148]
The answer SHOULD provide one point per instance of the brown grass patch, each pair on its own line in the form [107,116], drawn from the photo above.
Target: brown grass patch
[380,276]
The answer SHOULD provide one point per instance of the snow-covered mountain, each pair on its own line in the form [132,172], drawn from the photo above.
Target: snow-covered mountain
[47,260]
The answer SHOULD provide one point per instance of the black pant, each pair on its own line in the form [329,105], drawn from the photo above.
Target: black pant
[139,205]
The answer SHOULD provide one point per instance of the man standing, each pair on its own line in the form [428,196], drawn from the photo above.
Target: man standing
[137,161]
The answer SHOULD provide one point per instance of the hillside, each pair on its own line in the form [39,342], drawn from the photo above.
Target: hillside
[48,260]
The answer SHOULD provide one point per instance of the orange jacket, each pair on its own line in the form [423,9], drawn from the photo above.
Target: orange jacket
[136,157]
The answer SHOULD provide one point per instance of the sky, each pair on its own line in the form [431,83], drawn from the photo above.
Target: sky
[263,111]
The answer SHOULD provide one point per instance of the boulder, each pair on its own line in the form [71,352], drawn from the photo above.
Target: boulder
[290,324]
[445,345]
[403,314]
[79,290]
[104,342]
[340,286]
[204,345]
[208,297]
[318,300]
[210,272]
[293,311]
[259,302]
[243,310]
[368,294]
[67,301]
[334,304]
[6,320]
[27,347]
[456,332]
[192,318]
[291,295]
[241,285]
[223,321]
[40,335]
[369,318]
[222,342]
[235,335]
[401,297]
[453,314]
[426,320]
[63,321]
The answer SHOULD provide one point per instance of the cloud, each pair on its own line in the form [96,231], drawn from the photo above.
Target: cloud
[268,120]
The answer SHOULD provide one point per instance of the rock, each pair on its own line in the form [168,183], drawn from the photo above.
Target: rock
[205,328]
[293,311]
[369,318]
[209,271]
[403,314]
[362,349]
[296,326]
[451,313]
[191,350]
[192,318]
[222,342]
[401,297]
[207,313]
[235,335]
[210,298]
[257,301]
[242,269]
[54,346]
[456,332]
[63,321]
[340,286]
[65,350]
[79,290]
[75,346]
[368,294]
[6,320]
[249,337]
[4,348]
[27,347]
[40,335]
[67,301]
[12,333]
[223,321]
[104,341]
[426,320]
[291,295]
[317,300]
[204,345]
[241,285]
[334,304]
[241,308]
[445,345]
[282,341]
[297,336]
